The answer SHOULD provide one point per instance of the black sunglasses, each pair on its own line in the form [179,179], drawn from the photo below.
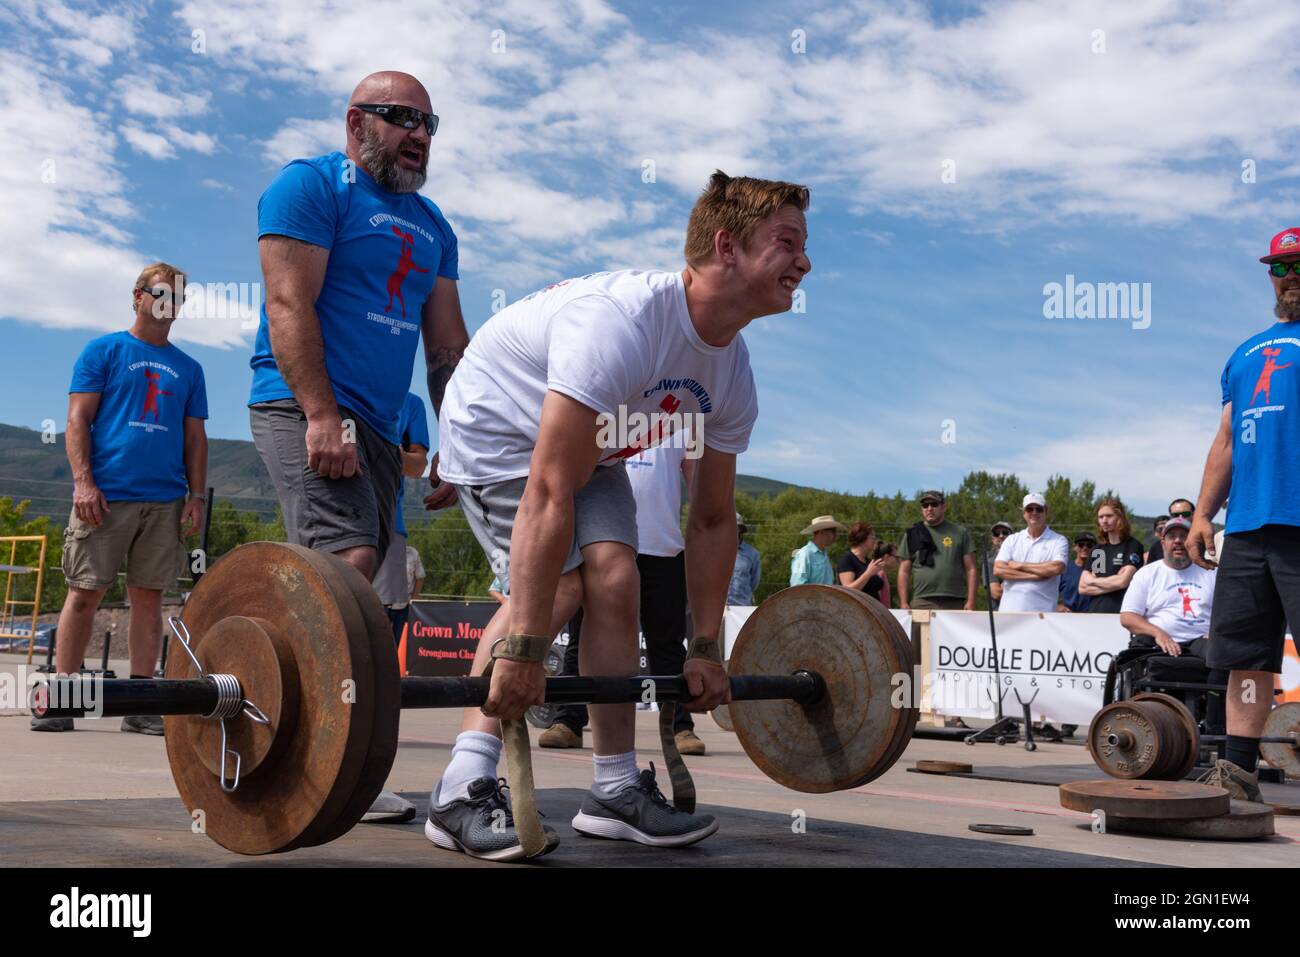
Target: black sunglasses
[1033,508]
[406,117]
[1188,514]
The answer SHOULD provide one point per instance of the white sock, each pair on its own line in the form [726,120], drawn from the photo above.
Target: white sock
[474,755]
[614,772]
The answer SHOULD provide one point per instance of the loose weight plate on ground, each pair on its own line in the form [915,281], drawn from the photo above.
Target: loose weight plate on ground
[854,732]
[308,773]
[1244,821]
[1282,721]
[1149,736]
[1145,799]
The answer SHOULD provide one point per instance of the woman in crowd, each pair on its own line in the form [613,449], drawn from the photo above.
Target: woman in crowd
[858,568]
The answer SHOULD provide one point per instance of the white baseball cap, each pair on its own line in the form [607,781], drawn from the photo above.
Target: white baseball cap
[1033,498]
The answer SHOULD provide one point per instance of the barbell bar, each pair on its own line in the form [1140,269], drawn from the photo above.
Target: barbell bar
[114,698]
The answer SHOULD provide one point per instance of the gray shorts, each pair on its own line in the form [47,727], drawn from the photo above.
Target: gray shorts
[604,510]
[326,514]
[390,581]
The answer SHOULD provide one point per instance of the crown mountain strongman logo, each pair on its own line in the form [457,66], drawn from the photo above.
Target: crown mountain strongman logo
[1266,374]
[152,391]
[405,263]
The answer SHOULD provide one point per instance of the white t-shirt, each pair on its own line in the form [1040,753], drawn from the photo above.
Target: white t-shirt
[656,477]
[1032,595]
[621,343]
[1176,600]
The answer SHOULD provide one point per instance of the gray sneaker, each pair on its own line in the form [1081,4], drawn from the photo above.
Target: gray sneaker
[51,724]
[143,724]
[1243,785]
[641,813]
[480,825]
[389,808]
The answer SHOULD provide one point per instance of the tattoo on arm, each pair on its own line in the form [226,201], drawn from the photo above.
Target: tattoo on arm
[441,365]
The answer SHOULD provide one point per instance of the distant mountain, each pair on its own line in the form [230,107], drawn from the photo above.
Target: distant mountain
[30,468]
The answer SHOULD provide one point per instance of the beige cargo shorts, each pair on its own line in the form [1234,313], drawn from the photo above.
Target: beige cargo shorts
[146,534]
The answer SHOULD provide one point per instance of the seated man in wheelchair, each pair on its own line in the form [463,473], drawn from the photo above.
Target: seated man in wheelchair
[1167,607]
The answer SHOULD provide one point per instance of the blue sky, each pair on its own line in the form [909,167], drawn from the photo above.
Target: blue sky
[137,131]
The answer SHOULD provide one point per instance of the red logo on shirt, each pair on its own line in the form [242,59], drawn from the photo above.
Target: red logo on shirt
[151,394]
[1188,610]
[1266,375]
[404,265]
[654,436]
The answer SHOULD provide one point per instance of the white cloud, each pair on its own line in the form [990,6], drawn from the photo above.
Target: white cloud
[152,145]
[67,214]
[216,184]
[139,94]
[162,146]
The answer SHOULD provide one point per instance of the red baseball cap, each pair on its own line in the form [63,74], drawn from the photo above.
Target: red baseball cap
[1284,245]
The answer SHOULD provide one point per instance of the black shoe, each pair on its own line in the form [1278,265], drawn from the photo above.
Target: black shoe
[1047,733]
[480,825]
[52,724]
[641,813]
[143,724]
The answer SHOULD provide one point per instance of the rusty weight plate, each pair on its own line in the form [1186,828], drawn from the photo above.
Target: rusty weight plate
[387,701]
[1244,821]
[1191,739]
[854,733]
[1145,799]
[254,649]
[943,767]
[1282,720]
[302,785]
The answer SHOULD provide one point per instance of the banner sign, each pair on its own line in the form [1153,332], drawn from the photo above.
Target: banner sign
[442,636]
[1057,659]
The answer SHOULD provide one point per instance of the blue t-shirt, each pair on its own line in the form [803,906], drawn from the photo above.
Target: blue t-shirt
[386,252]
[146,392]
[413,429]
[1068,590]
[1262,381]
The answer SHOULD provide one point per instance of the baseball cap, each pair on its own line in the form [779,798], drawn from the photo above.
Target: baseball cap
[1033,498]
[1284,244]
[997,525]
[1176,522]
[932,493]
[1086,538]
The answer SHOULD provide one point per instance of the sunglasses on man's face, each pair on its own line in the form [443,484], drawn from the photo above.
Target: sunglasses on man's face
[1033,508]
[1281,269]
[931,504]
[158,292]
[406,117]
[1186,514]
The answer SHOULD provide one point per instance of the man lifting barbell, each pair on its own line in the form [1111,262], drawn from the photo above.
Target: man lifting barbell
[533,435]
[1256,454]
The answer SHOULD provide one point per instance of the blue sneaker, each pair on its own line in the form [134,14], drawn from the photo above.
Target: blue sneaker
[480,825]
[641,813]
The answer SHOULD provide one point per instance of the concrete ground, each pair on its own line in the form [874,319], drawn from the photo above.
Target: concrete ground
[98,797]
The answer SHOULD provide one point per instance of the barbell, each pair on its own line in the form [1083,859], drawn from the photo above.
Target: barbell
[281,719]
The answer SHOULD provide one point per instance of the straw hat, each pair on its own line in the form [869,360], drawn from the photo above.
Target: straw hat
[823,522]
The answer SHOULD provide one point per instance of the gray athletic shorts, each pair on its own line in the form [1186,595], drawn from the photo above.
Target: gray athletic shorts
[604,510]
[321,513]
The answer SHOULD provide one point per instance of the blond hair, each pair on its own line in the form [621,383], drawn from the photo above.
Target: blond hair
[736,204]
[175,278]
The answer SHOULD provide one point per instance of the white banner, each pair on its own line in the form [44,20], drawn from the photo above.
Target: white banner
[736,616]
[1057,659]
